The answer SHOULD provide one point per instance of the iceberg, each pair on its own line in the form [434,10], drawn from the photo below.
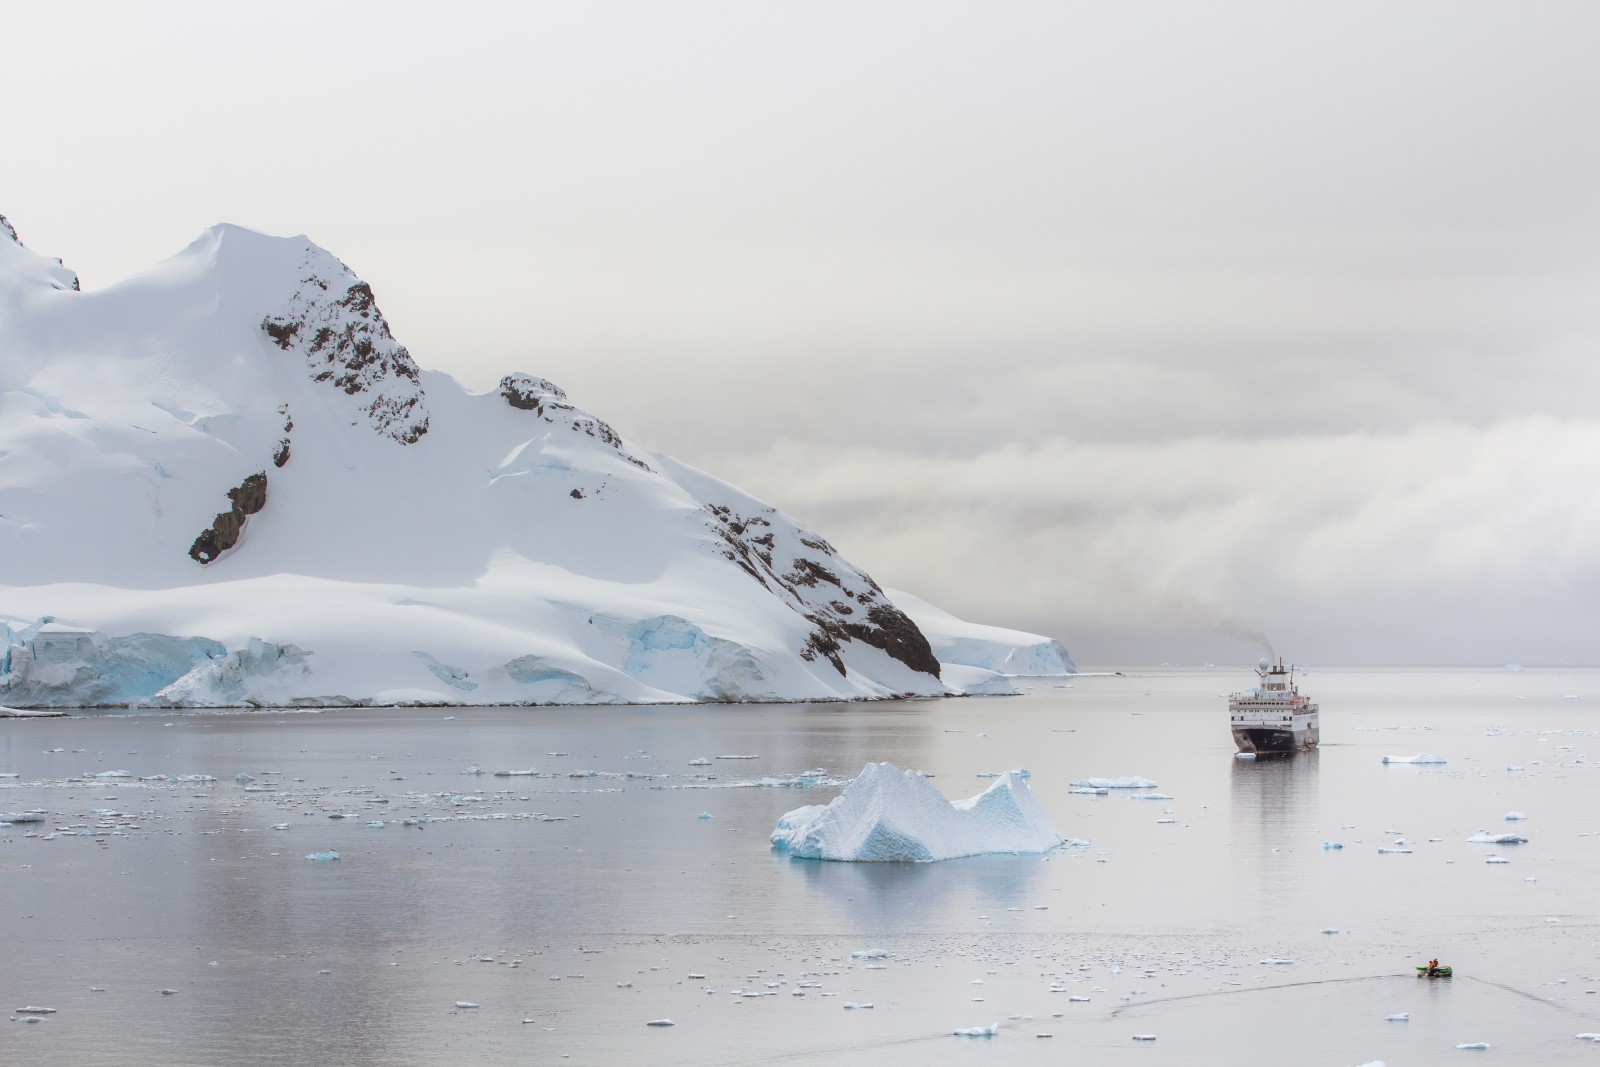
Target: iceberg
[890,815]
[1126,782]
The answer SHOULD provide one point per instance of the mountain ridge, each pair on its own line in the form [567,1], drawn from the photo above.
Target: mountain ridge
[224,482]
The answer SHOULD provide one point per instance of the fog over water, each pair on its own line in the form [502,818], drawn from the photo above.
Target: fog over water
[1148,326]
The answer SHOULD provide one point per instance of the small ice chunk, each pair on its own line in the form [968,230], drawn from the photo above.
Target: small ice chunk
[1483,837]
[1144,1037]
[1475,1046]
[243,778]
[1332,844]
[1398,1017]
[1394,851]
[978,1031]
[1421,757]
[1495,859]
[466,1004]
[701,762]
[661,1022]
[1515,816]
[322,857]
[34,1010]
[1125,782]
[870,954]
[704,815]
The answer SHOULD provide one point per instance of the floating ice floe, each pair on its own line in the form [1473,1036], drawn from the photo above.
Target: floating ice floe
[1495,859]
[466,1004]
[1386,850]
[1514,816]
[887,814]
[1128,782]
[1421,757]
[322,857]
[661,1022]
[870,954]
[1475,1046]
[1398,1017]
[1483,837]
[1149,796]
[1332,844]
[978,1031]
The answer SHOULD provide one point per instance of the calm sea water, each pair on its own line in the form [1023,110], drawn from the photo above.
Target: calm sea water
[576,904]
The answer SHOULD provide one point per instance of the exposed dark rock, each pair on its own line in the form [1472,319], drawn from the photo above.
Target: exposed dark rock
[347,344]
[893,631]
[280,455]
[247,498]
[752,542]
[281,332]
[808,572]
[576,494]
[528,393]
[250,495]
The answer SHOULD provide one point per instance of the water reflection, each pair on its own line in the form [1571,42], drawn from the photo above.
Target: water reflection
[1275,802]
[889,899]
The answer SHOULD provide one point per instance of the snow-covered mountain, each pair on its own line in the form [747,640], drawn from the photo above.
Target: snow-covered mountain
[224,482]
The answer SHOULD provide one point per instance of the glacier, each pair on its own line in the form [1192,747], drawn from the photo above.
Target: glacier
[956,642]
[225,483]
[889,815]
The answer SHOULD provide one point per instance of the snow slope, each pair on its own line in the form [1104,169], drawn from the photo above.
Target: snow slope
[993,648]
[223,482]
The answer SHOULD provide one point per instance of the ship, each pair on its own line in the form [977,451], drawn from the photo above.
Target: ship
[1274,717]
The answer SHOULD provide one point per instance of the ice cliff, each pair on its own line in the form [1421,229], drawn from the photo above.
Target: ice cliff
[224,482]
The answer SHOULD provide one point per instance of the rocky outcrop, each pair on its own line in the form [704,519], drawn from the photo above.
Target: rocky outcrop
[334,322]
[840,602]
[248,497]
[527,392]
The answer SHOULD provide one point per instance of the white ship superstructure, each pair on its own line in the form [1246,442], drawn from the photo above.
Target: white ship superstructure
[1274,716]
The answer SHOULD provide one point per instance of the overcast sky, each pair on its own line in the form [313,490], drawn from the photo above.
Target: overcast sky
[1161,328]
